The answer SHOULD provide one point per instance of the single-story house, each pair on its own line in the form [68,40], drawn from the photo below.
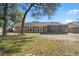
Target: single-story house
[73,27]
[42,27]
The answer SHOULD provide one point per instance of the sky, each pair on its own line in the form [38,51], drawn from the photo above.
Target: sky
[67,12]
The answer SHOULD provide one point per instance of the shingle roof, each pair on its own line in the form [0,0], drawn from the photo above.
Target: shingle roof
[74,24]
[39,23]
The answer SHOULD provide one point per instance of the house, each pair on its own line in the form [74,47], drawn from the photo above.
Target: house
[42,27]
[74,27]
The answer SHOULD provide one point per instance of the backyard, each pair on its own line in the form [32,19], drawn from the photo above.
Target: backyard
[34,44]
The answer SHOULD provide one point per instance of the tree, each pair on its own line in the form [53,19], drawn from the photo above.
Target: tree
[39,9]
[1,22]
[11,13]
[1,15]
[22,26]
[4,16]
[5,19]
[9,16]
[14,17]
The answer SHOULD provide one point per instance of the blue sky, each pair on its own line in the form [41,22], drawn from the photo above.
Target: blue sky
[68,12]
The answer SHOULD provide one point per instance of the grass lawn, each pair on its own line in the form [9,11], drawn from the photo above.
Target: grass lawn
[35,44]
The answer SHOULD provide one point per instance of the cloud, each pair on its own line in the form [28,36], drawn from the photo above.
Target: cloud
[73,11]
[68,21]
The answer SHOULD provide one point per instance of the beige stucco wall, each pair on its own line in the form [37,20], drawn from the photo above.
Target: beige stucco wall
[41,28]
[35,29]
[16,29]
[57,28]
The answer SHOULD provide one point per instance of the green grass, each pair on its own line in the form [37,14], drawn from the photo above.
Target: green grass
[13,44]
[16,45]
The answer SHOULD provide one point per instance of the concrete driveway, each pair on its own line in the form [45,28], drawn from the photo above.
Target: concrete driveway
[69,36]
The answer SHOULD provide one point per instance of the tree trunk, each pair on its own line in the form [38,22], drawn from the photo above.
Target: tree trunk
[25,14]
[5,20]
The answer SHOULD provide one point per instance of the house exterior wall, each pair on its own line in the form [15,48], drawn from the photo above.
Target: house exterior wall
[58,28]
[74,30]
[16,29]
[44,29]
[36,29]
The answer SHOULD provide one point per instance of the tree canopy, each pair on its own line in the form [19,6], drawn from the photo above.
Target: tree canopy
[18,12]
[38,10]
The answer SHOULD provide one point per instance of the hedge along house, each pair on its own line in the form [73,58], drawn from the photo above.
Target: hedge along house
[42,27]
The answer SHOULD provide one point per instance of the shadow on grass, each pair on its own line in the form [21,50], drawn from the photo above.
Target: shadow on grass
[13,44]
[48,33]
[16,37]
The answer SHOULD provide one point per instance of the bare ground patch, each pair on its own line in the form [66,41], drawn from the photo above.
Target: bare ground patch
[69,36]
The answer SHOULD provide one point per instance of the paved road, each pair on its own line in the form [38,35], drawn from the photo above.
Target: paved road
[69,36]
